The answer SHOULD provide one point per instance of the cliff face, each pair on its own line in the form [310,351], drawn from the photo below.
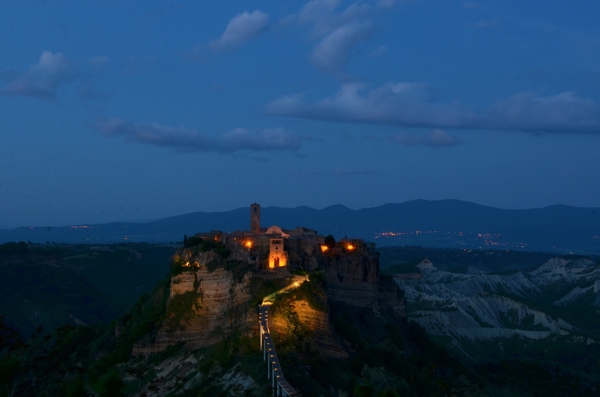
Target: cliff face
[316,322]
[352,278]
[213,304]
[319,323]
[208,301]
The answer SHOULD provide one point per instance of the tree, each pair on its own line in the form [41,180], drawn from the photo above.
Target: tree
[330,241]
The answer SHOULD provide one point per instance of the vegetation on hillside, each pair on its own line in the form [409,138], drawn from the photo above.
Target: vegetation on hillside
[52,285]
[388,355]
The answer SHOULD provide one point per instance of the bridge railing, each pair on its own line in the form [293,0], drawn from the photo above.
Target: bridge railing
[281,386]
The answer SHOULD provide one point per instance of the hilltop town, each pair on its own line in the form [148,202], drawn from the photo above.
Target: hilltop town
[217,274]
[274,248]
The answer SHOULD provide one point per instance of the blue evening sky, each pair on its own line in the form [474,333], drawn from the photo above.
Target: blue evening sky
[126,110]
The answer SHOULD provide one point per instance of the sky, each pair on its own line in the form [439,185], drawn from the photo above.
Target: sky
[137,110]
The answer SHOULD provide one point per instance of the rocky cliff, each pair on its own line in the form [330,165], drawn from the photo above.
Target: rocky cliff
[354,278]
[205,304]
[211,296]
[555,301]
[315,322]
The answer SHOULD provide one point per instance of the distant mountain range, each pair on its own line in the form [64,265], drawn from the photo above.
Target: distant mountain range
[444,223]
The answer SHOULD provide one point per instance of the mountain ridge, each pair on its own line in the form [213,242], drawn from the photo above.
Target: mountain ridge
[441,223]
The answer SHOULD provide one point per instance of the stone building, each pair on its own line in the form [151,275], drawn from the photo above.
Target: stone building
[275,248]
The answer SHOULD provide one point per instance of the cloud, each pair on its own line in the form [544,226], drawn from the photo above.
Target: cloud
[411,105]
[190,140]
[337,32]
[43,78]
[322,15]
[332,52]
[261,140]
[405,104]
[240,29]
[563,113]
[435,138]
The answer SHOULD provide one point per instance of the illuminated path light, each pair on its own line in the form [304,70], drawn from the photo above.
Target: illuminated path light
[280,385]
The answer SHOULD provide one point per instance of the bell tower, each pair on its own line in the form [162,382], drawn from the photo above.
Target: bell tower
[255,218]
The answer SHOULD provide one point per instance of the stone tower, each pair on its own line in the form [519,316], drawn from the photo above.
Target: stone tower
[255,218]
[277,255]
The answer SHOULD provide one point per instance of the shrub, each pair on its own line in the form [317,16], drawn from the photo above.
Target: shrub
[223,251]
[213,265]
[192,241]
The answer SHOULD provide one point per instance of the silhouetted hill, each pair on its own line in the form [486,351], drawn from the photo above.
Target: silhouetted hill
[444,223]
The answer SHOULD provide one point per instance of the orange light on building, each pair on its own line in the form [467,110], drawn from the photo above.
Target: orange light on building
[324,248]
[276,261]
[248,244]
[349,247]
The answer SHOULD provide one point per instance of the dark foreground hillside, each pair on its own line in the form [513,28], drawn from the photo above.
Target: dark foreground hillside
[51,285]
[326,347]
[388,356]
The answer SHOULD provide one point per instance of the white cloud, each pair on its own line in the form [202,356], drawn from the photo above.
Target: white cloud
[324,18]
[190,140]
[43,78]
[240,29]
[562,113]
[332,53]
[410,105]
[403,104]
[337,32]
[321,14]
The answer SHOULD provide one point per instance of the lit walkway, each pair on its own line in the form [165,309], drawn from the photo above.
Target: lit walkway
[280,385]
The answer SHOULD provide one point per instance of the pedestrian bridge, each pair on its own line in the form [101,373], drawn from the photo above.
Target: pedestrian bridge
[280,385]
